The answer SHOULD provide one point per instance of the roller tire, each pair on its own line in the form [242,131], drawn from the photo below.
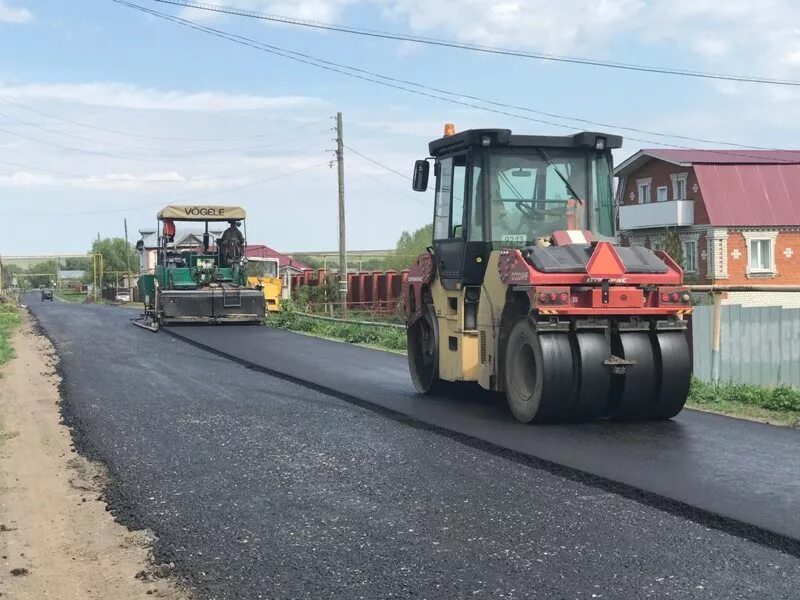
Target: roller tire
[675,374]
[422,340]
[635,393]
[538,374]
[593,381]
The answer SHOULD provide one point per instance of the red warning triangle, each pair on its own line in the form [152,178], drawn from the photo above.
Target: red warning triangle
[605,263]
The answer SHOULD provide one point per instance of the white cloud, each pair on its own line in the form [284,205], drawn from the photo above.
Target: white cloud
[314,10]
[9,14]
[533,24]
[121,95]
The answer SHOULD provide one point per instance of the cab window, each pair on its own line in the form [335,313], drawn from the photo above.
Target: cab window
[448,222]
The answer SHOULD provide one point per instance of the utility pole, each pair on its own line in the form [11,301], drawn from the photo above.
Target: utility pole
[342,250]
[128,260]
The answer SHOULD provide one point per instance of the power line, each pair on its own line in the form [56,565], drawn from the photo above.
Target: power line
[174,154]
[373,161]
[122,156]
[98,179]
[395,83]
[479,48]
[132,134]
[187,200]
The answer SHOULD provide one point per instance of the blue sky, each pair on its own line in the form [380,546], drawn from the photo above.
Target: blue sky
[177,115]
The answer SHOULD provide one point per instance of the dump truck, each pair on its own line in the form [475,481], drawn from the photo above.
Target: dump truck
[527,291]
[263,273]
[198,279]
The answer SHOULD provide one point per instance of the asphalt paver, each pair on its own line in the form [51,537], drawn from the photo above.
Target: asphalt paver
[257,487]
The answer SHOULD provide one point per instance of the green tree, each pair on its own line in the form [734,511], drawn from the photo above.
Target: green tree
[118,255]
[77,264]
[9,271]
[409,246]
[43,274]
[673,246]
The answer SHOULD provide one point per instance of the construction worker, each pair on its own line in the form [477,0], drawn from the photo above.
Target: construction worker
[232,243]
[169,230]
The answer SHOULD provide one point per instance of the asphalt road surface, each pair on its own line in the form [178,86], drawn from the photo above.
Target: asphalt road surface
[741,470]
[257,487]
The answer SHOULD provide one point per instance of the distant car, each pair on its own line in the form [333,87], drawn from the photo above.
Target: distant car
[123,297]
[47,295]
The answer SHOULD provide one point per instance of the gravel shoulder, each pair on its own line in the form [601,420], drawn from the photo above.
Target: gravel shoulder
[57,538]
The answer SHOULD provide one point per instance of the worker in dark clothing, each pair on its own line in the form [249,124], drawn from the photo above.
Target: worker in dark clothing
[232,243]
[233,233]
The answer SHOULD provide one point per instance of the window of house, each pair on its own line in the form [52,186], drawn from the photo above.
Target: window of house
[760,255]
[690,256]
[644,191]
[679,185]
[661,194]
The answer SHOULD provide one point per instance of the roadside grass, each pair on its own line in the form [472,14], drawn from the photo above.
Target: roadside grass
[375,336]
[779,405]
[9,319]
[78,297]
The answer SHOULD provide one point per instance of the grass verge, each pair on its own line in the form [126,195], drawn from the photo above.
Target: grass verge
[77,297]
[779,406]
[9,319]
[384,338]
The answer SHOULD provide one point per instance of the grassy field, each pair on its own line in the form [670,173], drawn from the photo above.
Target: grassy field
[9,320]
[780,406]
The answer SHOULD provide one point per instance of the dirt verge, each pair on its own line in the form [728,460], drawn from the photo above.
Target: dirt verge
[57,539]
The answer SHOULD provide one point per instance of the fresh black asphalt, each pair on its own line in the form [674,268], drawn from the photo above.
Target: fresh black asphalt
[257,487]
[741,470]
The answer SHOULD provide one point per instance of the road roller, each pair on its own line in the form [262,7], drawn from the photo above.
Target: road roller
[527,291]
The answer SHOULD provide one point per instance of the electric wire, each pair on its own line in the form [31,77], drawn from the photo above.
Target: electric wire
[477,47]
[397,84]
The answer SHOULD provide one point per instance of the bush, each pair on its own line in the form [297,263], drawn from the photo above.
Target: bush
[782,398]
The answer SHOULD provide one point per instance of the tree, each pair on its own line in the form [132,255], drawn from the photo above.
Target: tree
[673,246]
[43,274]
[409,246]
[118,255]
[9,272]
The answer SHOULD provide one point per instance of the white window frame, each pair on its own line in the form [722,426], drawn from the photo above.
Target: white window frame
[659,190]
[676,178]
[641,185]
[760,236]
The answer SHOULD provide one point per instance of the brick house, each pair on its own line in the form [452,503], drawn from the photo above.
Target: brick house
[737,214]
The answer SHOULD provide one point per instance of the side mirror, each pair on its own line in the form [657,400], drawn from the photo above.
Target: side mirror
[422,169]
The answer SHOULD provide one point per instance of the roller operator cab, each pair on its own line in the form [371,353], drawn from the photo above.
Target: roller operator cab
[526,291]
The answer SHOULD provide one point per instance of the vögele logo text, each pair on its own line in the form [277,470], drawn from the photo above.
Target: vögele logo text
[204,211]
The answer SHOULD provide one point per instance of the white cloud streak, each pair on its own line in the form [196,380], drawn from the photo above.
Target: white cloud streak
[9,14]
[122,95]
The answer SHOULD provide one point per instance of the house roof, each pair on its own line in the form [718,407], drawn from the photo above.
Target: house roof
[755,195]
[757,188]
[284,260]
[688,158]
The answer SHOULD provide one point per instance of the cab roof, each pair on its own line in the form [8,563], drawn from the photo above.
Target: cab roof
[504,137]
[194,212]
